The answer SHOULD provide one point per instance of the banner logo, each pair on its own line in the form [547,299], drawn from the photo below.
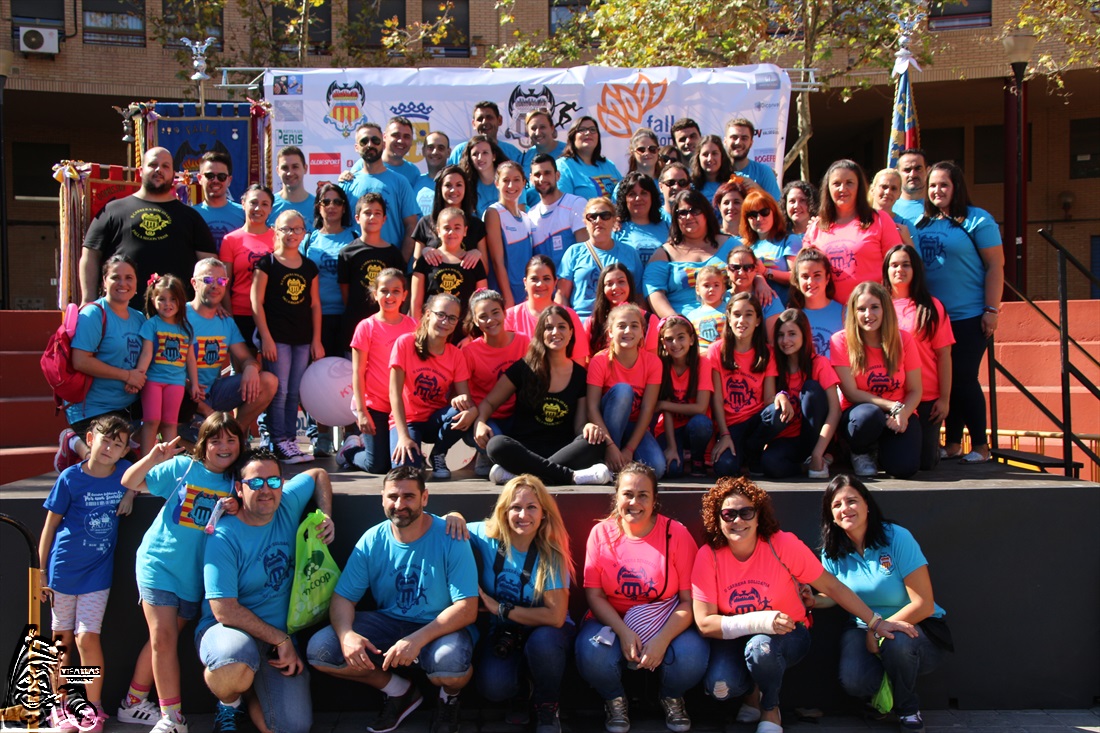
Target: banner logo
[622,106]
[522,101]
[324,163]
[344,106]
[418,114]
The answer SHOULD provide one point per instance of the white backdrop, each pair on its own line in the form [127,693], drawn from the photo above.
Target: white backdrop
[319,109]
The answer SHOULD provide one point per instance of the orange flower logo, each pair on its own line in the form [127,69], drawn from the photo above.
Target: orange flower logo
[622,106]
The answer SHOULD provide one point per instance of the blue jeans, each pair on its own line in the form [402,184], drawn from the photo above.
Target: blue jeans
[499,426]
[285,700]
[282,413]
[602,666]
[902,658]
[445,657]
[696,434]
[737,664]
[375,456]
[731,463]
[898,453]
[784,456]
[545,654]
[436,430]
[615,407]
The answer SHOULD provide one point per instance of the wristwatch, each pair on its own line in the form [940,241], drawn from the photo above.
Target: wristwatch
[503,609]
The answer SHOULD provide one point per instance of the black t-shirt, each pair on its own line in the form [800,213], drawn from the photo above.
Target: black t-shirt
[425,233]
[357,266]
[453,279]
[161,237]
[546,426]
[288,299]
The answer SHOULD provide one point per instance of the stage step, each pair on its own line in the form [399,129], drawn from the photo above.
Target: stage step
[1040,461]
[29,421]
[17,464]
[21,374]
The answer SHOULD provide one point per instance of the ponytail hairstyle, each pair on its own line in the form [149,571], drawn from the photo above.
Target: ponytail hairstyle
[888,332]
[470,326]
[811,254]
[420,340]
[505,165]
[597,322]
[928,318]
[759,339]
[622,308]
[174,286]
[536,357]
[805,354]
[666,324]
[632,468]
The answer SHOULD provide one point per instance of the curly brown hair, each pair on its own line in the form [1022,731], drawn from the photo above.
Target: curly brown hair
[767,524]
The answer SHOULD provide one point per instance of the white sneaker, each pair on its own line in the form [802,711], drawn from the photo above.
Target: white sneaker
[498,474]
[864,465]
[144,713]
[594,475]
[167,725]
[482,465]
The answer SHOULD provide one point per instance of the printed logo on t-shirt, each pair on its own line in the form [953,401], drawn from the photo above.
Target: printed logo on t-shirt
[508,586]
[821,342]
[277,566]
[450,281]
[842,259]
[294,288]
[369,272]
[635,584]
[553,412]
[98,523]
[253,258]
[932,250]
[133,349]
[710,328]
[408,588]
[738,393]
[212,351]
[886,563]
[604,183]
[148,224]
[170,349]
[748,600]
[879,383]
[197,505]
[426,387]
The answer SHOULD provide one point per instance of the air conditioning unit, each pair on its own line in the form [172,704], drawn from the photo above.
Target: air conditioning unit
[34,39]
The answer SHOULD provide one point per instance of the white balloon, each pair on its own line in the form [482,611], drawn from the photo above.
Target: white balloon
[326,391]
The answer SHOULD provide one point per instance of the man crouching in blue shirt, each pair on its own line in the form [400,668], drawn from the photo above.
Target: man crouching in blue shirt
[425,585]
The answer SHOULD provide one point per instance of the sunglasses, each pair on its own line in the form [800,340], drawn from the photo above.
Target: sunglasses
[332,202]
[677,183]
[746,513]
[646,149]
[598,216]
[208,280]
[223,177]
[272,482]
[669,159]
[685,213]
[373,140]
[742,268]
[761,214]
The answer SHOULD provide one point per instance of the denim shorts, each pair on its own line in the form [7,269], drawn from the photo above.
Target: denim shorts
[187,609]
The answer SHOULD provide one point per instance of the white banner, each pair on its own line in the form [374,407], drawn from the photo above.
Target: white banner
[319,109]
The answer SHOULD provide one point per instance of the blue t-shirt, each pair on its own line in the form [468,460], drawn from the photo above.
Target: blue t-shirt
[507,586]
[952,265]
[487,195]
[709,189]
[578,266]
[677,280]
[763,176]
[305,208]
[170,555]
[645,238]
[83,553]
[324,250]
[510,151]
[396,192]
[406,170]
[213,337]
[775,254]
[588,181]
[255,565]
[516,235]
[221,219]
[424,193]
[556,226]
[908,209]
[170,348]
[119,345]
[527,157]
[878,576]
[824,322]
[411,582]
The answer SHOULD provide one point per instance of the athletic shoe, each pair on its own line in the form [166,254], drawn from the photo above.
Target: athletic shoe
[65,455]
[322,445]
[144,713]
[676,717]
[698,468]
[352,445]
[618,717]
[440,472]
[446,716]
[228,719]
[396,709]
[911,723]
[593,475]
[498,474]
[546,718]
[167,725]
[482,465]
[287,451]
[822,474]
[864,465]
[748,714]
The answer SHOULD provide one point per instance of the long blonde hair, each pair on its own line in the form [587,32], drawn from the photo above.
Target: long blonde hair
[551,539]
[888,332]
[612,352]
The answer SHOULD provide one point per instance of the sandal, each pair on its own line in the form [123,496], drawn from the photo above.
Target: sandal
[975,457]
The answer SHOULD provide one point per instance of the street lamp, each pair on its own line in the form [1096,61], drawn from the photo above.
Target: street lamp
[1018,47]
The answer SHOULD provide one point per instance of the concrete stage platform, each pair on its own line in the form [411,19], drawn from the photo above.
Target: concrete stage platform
[1014,557]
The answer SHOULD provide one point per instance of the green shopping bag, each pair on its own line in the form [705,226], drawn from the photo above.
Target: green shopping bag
[883,701]
[315,576]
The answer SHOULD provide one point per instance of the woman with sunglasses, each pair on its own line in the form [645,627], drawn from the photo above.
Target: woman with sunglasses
[585,172]
[241,250]
[694,241]
[750,600]
[764,229]
[638,203]
[644,147]
[583,261]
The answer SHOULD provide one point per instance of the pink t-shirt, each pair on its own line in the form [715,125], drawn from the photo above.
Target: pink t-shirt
[944,336]
[651,331]
[875,379]
[742,388]
[241,251]
[822,372]
[679,393]
[486,364]
[605,374]
[856,254]
[633,572]
[520,319]
[374,337]
[761,583]
[428,382]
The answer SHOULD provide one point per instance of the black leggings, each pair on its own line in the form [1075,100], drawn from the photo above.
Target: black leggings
[967,406]
[555,470]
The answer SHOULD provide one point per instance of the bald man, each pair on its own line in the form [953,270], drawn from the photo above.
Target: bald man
[152,227]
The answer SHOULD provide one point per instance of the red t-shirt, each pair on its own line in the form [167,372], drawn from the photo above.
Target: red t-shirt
[427,382]
[856,254]
[875,379]
[241,251]
[651,330]
[679,394]
[487,364]
[374,337]
[605,374]
[632,572]
[761,583]
[742,389]
[929,367]
[822,372]
[520,319]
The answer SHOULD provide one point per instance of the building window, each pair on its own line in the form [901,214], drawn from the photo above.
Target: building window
[948,143]
[183,19]
[989,154]
[114,22]
[38,12]
[366,19]
[457,42]
[1084,148]
[320,27]
[952,16]
[31,166]
[562,11]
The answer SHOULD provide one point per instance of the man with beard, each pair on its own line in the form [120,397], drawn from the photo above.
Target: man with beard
[248,573]
[544,141]
[558,217]
[913,167]
[221,214]
[739,138]
[425,586]
[401,209]
[159,232]
[487,121]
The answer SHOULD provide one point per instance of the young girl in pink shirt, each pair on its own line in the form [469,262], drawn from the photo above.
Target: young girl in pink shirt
[683,402]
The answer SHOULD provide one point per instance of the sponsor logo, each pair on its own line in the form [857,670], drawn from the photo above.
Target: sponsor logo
[344,106]
[418,113]
[766,105]
[290,137]
[767,80]
[767,157]
[322,163]
[623,106]
[522,101]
